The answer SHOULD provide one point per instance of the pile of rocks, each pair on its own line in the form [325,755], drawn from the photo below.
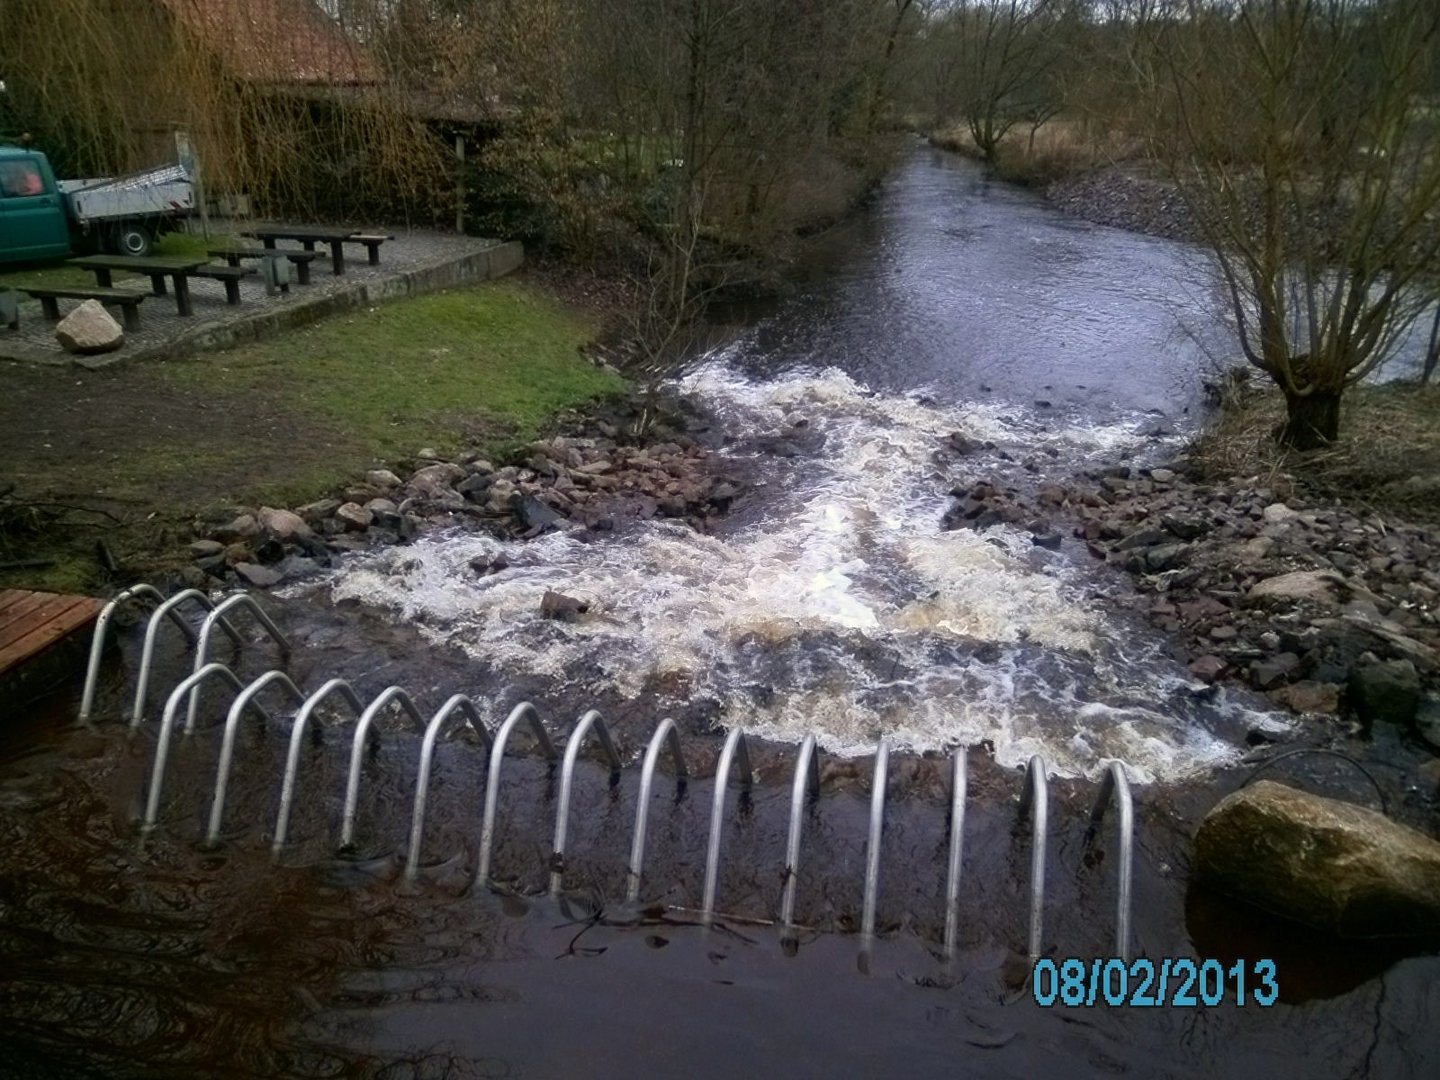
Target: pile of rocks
[1123,200]
[1322,608]
[566,481]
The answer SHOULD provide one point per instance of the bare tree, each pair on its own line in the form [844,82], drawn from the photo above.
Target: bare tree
[1303,148]
[1000,54]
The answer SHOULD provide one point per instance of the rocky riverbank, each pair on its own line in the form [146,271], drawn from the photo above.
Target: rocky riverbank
[1124,199]
[1324,609]
[596,473]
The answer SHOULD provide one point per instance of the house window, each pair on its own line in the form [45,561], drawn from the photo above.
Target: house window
[20,178]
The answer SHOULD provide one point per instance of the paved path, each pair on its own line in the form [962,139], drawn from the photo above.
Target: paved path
[414,262]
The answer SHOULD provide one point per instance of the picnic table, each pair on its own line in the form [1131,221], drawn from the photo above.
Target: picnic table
[156,269]
[309,236]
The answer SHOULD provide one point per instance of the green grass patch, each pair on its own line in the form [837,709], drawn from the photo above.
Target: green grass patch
[497,359]
[188,245]
[50,277]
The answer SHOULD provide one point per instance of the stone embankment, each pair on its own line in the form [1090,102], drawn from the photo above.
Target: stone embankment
[596,481]
[1325,609]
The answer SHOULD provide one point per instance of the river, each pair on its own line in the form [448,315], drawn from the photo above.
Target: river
[831,602]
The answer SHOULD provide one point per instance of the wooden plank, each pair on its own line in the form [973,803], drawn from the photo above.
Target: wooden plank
[52,610]
[17,604]
[54,618]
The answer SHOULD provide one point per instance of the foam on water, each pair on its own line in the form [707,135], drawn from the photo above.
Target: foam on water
[843,609]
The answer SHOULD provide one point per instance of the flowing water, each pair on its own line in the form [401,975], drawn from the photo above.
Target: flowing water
[830,602]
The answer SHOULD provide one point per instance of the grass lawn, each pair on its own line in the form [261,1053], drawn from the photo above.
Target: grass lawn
[141,450]
[444,369]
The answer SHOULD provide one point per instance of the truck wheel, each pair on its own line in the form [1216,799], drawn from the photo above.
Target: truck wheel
[134,240]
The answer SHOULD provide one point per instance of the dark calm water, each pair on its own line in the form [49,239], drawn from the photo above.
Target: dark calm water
[833,604]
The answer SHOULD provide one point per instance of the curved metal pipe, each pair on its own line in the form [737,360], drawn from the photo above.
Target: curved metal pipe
[523,711]
[1116,784]
[1036,794]
[665,735]
[202,645]
[1323,752]
[807,779]
[458,709]
[292,759]
[172,708]
[734,743]
[591,721]
[152,632]
[872,850]
[227,744]
[97,640]
[357,753]
[957,841]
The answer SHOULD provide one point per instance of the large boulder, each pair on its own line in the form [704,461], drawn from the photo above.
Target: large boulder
[283,525]
[1324,588]
[89,329]
[1329,864]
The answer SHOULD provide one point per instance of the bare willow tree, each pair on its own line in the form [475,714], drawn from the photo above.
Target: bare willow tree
[1304,143]
[999,56]
[276,100]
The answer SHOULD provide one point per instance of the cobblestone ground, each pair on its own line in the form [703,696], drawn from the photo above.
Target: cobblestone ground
[161,325]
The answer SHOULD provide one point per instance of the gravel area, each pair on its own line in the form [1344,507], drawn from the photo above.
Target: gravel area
[163,329]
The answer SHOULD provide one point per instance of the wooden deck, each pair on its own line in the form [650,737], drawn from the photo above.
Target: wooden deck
[31,622]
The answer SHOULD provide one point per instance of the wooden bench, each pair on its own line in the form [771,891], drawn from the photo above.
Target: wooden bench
[301,260]
[14,321]
[128,302]
[372,244]
[230,275]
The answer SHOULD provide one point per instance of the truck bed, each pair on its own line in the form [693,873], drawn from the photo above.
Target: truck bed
[166,190]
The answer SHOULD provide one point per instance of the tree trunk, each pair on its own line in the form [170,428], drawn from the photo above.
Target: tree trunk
[1311,421]
[1432,350]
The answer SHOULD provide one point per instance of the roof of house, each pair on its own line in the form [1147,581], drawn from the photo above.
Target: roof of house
[277,41]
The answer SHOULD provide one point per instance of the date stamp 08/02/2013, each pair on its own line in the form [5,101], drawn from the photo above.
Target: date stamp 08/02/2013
[1170,983]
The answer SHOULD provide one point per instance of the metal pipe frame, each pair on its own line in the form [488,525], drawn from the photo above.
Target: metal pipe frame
[872,850]
[1117,785]
[152,632]
[665,735]
[459,709]
[591,721]
[167,725]
[1035,795]
[292,759]
[97,640]
[957,843]
[807,780]
[398,695]
[227,742]
[523,711]
[202,645]
[734,743]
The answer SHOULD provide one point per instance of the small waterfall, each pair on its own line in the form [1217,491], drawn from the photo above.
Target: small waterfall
[837,604]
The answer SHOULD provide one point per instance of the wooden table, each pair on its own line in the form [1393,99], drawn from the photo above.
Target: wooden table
[156,269]
[309,237]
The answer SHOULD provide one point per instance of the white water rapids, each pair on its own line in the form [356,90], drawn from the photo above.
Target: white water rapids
[840,606]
